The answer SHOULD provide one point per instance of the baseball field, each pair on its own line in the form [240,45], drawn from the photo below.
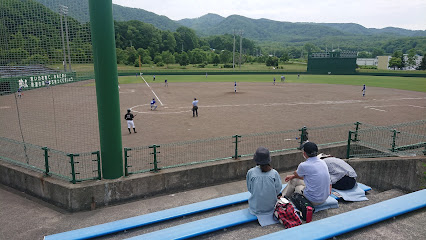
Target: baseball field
[64,117]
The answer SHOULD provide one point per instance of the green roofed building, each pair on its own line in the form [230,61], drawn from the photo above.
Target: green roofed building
[332,62]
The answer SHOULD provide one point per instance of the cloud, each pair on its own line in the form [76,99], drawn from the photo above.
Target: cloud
[377,13]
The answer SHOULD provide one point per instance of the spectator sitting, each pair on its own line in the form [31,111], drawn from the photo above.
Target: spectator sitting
[264,184]
[342,175]
[311,179]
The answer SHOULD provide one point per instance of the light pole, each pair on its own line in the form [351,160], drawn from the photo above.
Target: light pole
[63,40]
[64,11]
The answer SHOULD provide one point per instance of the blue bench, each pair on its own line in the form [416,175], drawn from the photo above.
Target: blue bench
[203,226]
[349,221]
[143,220]
[200,227]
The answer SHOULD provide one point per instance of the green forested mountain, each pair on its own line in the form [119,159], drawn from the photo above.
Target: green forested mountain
[269,30]
[31,32]
[79,10]
[204,22]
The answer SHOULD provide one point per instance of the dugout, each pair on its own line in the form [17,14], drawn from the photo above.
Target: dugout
[332,62]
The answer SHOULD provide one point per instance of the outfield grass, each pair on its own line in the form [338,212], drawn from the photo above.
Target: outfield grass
[404,83]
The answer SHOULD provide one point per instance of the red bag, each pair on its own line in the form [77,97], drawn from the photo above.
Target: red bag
[286,215]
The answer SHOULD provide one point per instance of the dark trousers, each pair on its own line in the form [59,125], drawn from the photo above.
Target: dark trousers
[194,111]
[345,183]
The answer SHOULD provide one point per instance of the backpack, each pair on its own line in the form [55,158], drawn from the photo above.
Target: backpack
[301,204]
[284,213]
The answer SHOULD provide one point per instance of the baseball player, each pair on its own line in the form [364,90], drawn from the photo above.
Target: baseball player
[235,87]
[153,78]
[130,124]
[153,105]
[166,84]
[363,90]
[274,80]
[47,83]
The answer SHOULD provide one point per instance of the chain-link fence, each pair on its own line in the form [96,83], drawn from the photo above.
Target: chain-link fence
[362,140]
[71,167]
[162,156]
[405,139]
[46,63]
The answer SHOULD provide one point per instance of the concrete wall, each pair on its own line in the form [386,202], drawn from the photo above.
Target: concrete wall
[403,173]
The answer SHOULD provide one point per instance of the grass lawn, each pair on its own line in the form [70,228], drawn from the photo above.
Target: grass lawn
[404,83]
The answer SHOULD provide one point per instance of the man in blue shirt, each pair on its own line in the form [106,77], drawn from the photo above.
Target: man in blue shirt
[311,177]
[153,105]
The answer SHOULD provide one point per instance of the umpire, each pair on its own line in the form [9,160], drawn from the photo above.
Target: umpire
[195,107]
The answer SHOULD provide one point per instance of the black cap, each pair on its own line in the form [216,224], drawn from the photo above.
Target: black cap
[310,148]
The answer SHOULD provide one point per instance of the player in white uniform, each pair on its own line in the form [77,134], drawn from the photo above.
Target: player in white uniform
[130,124]
[363,90]
[235,87]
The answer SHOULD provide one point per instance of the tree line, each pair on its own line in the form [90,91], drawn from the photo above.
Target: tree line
[34,37]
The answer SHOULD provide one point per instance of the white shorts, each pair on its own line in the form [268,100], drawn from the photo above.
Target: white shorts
[130,124]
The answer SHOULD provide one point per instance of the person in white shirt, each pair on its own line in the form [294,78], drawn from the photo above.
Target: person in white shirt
[342,175]
[311,179]
[195,107]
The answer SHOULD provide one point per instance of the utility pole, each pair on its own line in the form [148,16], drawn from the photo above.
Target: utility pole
[241,46]
[233,53]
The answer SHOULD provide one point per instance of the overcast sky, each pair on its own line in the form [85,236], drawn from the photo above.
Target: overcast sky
[409,14]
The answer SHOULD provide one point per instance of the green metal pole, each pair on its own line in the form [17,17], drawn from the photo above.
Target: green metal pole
[98,160]
[46,160]
[348,148]
[72,167]
[126,167]
[394,135]
[105,62]
[236,146]
[356,131]
[155,157]
[303,135]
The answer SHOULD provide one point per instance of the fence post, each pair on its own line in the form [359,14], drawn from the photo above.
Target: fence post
[46,160]
[98,159]
[394,135]
[155,169]
[303,134]
[348,148]
[126,170]
[72,166]
[236,146]
[356,131]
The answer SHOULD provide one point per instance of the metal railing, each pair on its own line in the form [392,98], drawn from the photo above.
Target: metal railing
[405,139]
[363,141]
